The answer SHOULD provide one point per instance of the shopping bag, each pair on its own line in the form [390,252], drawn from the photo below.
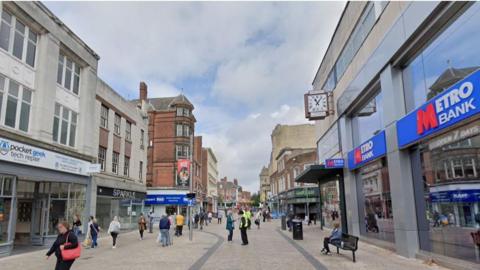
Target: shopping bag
[71,254]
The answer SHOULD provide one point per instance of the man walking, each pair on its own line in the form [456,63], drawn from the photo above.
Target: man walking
[164,228]
[243,228]
[219,217]
[180,220]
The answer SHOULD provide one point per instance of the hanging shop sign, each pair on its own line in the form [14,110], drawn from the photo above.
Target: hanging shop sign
[453,105]
[460,196]
[335,163]
[120,193]
[168,199]
[183,172]
[25,154]
[372,149]
[317,105]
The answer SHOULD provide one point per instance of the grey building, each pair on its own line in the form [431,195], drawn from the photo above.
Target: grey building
[394,71]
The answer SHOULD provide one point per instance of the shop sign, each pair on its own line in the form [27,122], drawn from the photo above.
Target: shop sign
[334,163]
[183,172]
[372,149]
[455,136]
[306,192]
[460,196]
[120,193]
[168,199]
[25,154]
[453,105]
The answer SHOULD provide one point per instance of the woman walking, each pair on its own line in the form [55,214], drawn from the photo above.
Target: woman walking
[66,239]
[94,230]
[142,225]
[230,226]
[114,230]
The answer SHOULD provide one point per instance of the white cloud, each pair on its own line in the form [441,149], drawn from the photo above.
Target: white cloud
[256,59]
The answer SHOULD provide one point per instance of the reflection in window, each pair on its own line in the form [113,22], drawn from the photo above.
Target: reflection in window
[368,121]
[449,58]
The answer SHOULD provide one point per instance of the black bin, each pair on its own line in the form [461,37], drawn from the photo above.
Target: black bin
[297,229]
[284,222]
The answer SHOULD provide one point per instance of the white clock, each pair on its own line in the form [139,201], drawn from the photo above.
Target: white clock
[316,105]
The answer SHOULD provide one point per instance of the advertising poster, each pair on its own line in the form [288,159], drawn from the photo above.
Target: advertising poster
[183,172]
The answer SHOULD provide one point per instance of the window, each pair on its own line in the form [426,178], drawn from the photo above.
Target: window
[126,166]
[102,157]
[104,116]
[68,74]
[183,111]
[142,138]
[15,104]
[438,66]
[115,160]
[140,171]
[128,131]
[183,151]
[64,125]
[183,130]
[116,124]
[17,38]
[368,120]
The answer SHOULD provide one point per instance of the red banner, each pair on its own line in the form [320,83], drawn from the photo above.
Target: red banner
[183,172]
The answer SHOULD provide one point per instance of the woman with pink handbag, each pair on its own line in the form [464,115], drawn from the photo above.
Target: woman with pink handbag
[66,247]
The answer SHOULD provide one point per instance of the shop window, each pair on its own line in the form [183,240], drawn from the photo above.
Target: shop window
[439,66]
[17,39]
[377,204]
[368,120]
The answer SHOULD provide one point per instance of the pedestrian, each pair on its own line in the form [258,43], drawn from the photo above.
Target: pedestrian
[164,230]
[258,215]
[66,240]
[335,238]
[202,219]
[210,216]
[196,220]
[171,220]
[264,214]
[142,225]
[230,226]
[94,230]
[219,217]
[243,227]
[180,219]
[77,225]
[114,230]
[248,215]
[150,221]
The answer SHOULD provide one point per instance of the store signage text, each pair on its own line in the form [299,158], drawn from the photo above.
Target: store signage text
[453,105]
[167,199]
[334,163]
[461,196]
[120,193]
[372,149]
[17,152]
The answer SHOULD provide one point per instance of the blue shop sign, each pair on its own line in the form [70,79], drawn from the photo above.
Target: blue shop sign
[167,199]
[333,163]
[453,105]
[460,196]
[372,149]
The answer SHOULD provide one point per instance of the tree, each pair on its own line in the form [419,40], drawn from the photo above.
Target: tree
[255,199]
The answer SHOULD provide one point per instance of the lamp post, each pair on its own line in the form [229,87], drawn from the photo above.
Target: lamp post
[190,229]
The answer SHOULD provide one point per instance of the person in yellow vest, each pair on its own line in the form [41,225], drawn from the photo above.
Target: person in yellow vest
[248,215]
[179,219]
[243,227]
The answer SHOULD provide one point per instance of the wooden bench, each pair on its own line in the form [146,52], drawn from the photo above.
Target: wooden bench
[349,242]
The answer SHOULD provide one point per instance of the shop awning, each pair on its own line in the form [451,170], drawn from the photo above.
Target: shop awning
[319,174]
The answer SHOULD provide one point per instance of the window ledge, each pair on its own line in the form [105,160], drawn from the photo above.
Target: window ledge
[104,128]
[68,91]
[21,62]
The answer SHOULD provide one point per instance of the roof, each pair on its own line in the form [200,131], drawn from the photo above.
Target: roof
[167,103]
[319,174]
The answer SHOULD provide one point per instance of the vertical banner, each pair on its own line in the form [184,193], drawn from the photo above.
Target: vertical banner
[183,172]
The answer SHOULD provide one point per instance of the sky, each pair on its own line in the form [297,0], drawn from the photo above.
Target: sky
[244,65]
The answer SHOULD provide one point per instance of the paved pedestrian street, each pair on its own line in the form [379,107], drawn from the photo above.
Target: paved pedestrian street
[269,248]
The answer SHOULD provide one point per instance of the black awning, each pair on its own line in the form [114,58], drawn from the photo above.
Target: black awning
[319,174]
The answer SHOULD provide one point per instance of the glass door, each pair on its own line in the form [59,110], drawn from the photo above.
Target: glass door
[40,213]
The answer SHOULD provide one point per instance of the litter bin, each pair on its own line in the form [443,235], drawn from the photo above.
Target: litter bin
[284,222]
[297,229]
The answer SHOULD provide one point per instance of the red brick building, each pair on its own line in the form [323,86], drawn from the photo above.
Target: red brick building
[228,191]
[171,128]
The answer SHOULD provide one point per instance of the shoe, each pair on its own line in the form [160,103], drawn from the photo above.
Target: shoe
[114,247]
[244,244]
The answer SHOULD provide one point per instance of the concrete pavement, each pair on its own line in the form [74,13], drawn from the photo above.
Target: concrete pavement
[269,248]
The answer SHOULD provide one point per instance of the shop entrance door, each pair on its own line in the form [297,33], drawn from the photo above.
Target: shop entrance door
[39,222]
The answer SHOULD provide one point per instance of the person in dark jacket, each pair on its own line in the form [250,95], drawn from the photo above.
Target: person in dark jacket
[164,230]
[230,226]
[65,235]
[243,227]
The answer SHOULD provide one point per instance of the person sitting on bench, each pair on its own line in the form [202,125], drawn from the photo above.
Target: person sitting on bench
[335,238]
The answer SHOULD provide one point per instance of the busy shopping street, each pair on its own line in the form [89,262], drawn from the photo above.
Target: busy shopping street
[269,248]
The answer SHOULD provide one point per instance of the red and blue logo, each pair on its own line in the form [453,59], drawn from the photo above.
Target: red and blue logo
[453,105]
[372,149]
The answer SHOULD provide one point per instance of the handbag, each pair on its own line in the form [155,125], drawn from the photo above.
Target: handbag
[71,254]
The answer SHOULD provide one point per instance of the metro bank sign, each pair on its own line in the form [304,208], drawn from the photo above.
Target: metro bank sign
[372,149]
[453,105]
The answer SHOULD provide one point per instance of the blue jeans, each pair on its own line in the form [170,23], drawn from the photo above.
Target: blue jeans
[94,240]
[165,237]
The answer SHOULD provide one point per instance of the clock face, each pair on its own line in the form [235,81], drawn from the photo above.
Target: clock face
[317,103]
